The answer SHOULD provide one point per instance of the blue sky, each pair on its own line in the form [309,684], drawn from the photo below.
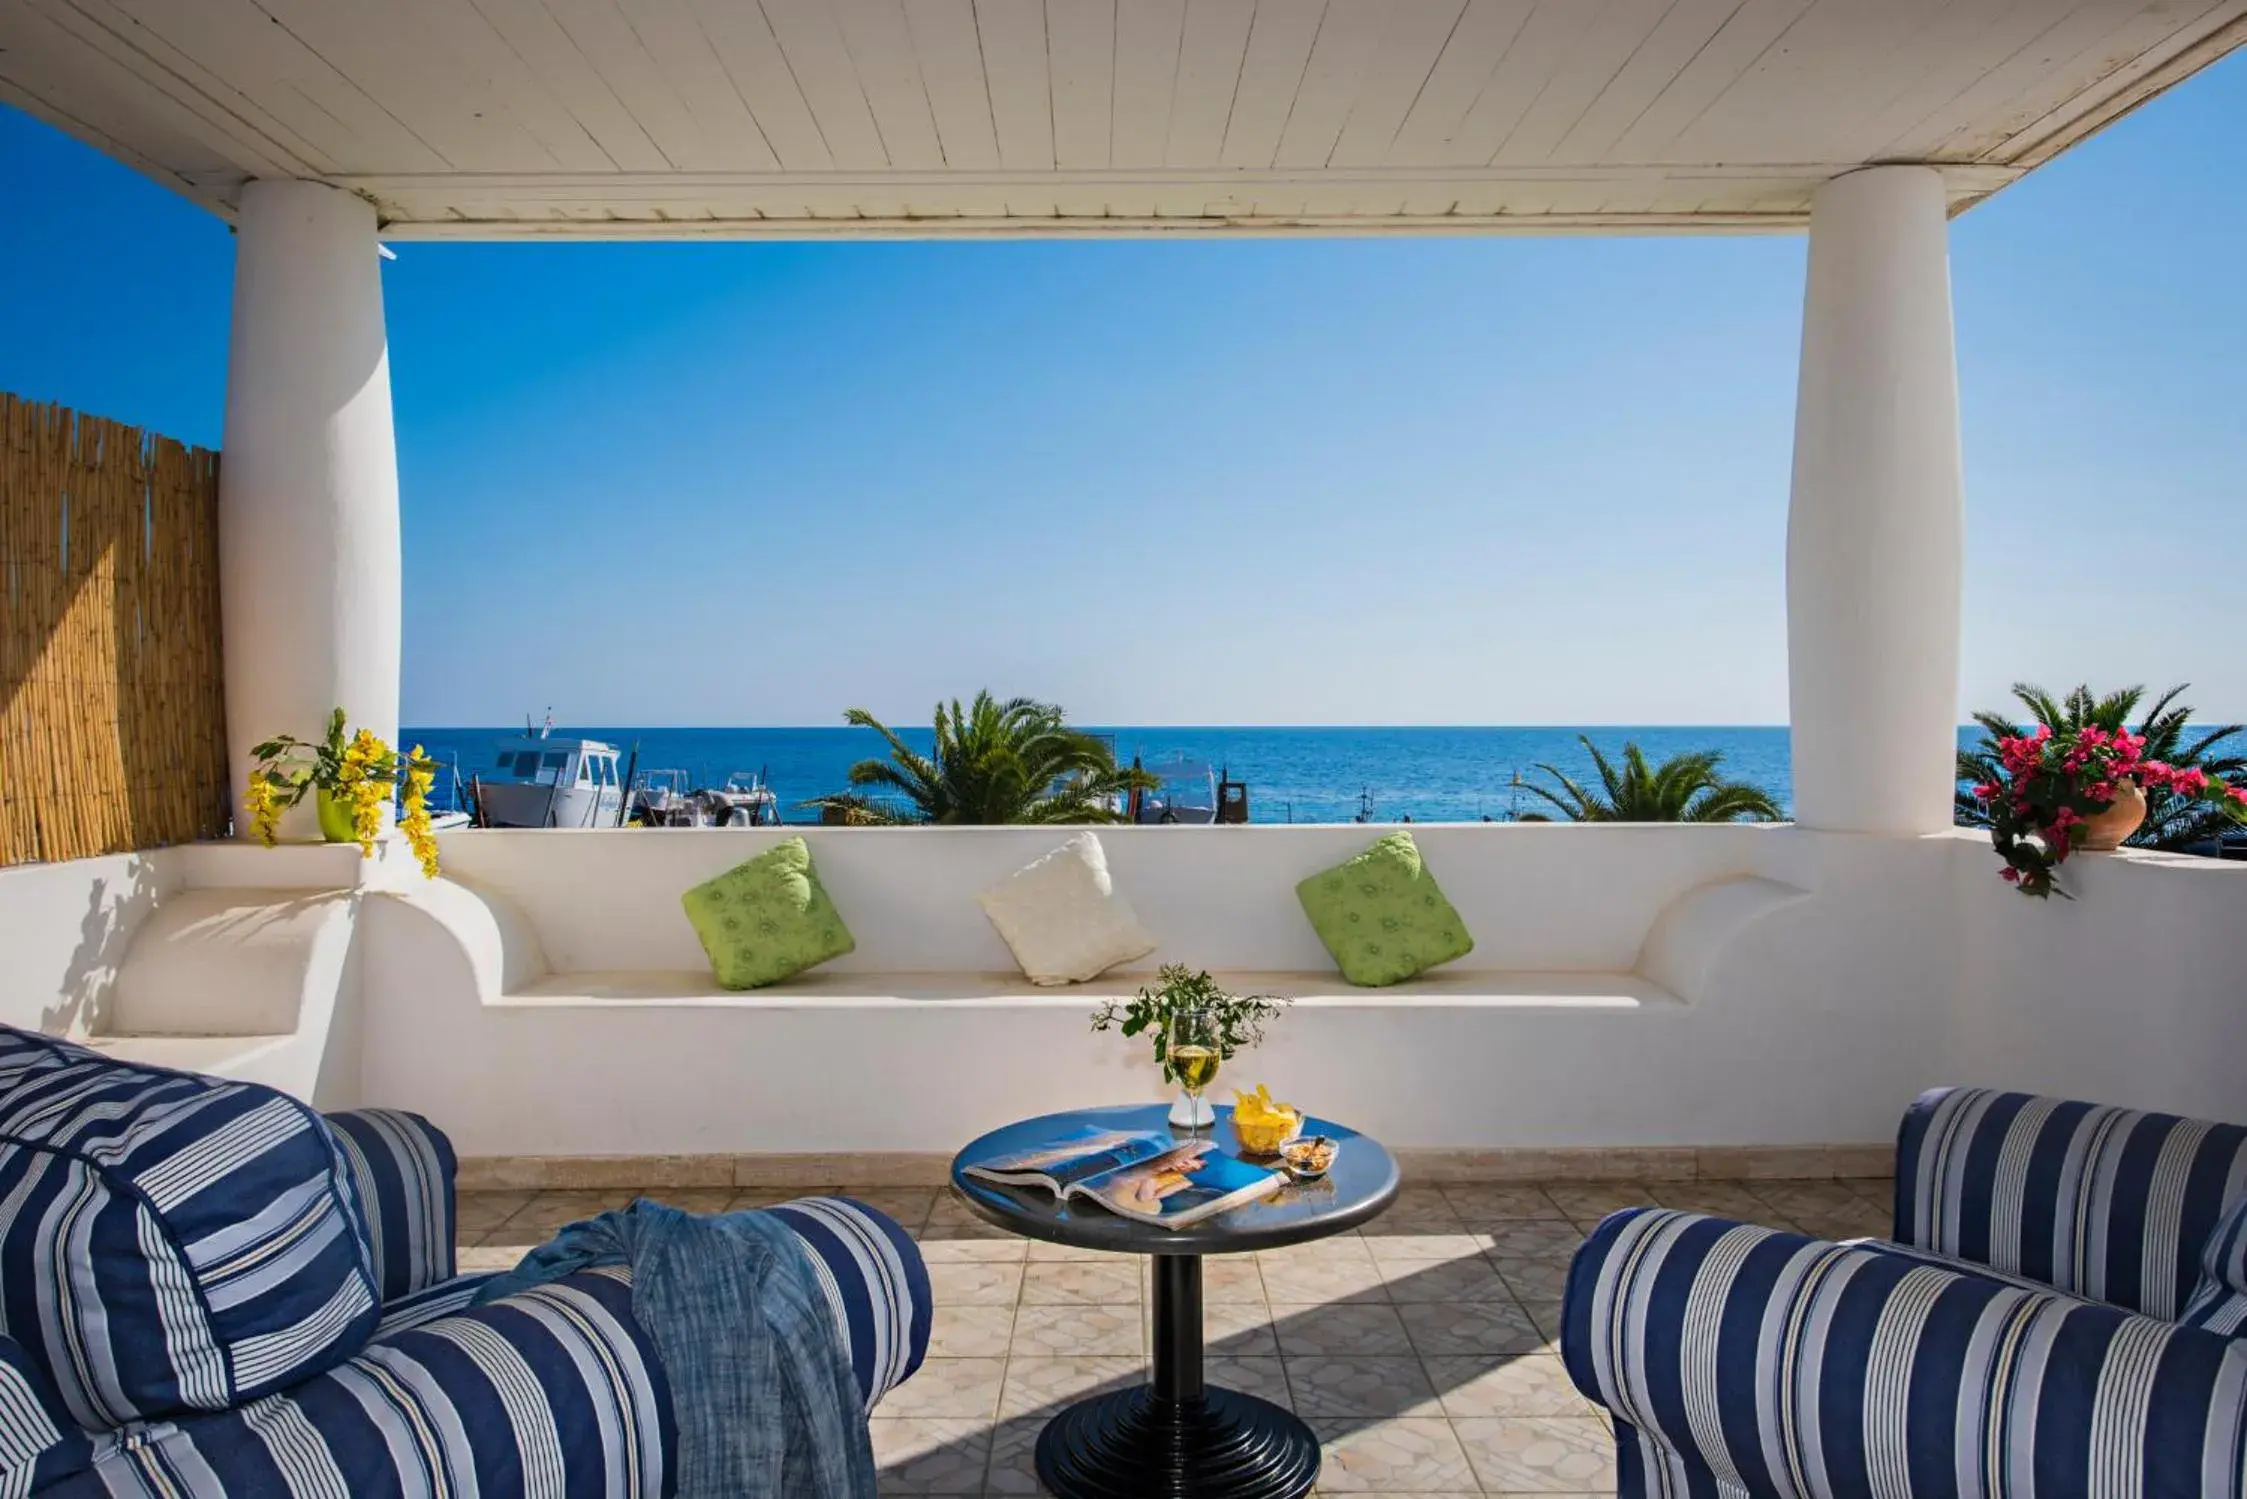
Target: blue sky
[1257,481]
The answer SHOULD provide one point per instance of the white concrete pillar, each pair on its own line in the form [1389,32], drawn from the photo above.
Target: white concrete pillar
[308,477]
[1873,532]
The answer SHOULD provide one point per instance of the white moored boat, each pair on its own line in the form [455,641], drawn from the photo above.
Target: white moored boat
[549,781]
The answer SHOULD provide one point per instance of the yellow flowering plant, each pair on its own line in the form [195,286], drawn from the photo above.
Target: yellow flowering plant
[354,774]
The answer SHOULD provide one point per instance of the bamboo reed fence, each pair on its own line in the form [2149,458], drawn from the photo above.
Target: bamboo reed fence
[112,709]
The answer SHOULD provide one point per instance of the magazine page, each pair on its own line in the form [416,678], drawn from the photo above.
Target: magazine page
[1181,1186]
[1075,1158]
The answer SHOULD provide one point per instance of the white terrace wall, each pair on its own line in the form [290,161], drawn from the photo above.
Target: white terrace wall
[1725,986]
[1630,986]
[2134,993]
[64,929]
[217,957]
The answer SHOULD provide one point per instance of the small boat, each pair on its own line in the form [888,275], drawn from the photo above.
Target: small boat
[549,781]
[667,799]
[1187,793]
[745,801]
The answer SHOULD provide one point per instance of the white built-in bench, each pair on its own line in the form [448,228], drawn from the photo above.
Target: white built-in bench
[554,977]
[1632,988]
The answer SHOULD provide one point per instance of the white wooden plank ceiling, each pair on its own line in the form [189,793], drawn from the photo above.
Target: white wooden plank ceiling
[773,118]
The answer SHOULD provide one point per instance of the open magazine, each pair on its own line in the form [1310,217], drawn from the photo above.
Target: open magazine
[1155,1178]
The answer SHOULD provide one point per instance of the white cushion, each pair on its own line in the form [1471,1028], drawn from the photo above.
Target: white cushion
[1063,918]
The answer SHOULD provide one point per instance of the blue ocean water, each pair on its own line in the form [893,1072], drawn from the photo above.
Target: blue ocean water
[1293,774]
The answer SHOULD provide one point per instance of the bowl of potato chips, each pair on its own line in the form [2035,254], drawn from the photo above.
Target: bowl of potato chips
[1262,1123]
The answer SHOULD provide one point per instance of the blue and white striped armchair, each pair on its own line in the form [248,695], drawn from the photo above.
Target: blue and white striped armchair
[2061,1313]
[146,1352]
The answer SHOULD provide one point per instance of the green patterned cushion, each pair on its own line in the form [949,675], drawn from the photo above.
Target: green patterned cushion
[1382,915]
[766,919]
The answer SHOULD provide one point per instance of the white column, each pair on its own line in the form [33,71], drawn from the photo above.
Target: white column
[1873,532]
[308,476]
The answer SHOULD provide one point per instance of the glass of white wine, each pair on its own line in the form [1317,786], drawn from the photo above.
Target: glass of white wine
[1194,1055]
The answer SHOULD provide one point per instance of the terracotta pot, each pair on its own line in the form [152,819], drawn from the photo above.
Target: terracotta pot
[2103,832]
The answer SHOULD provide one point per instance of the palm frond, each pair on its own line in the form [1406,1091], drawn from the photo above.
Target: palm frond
[885,775]
[993,761]
[2041,705]
[1734,801]
[1572,801]
[1684,788]
[2196,753]
[1610,778]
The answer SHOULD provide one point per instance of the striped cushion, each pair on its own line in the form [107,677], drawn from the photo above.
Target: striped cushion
[1745,1361]
[38,1442]
[170,1242]
[554,1392]
[402,1168]
[2111,1204]
[1918,1256]
[2220,1302]
[876,1282]
[429,1303]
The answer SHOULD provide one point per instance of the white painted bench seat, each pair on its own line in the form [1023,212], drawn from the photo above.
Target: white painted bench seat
[1450,988]
[549,997]
[554,976]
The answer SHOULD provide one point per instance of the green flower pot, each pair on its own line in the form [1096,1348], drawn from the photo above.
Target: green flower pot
[335,816]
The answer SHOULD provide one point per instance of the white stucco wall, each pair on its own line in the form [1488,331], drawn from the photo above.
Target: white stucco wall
[1815,983]
[64,931]
[214,956]
[1534,896]
[2133,993]
[1814,973]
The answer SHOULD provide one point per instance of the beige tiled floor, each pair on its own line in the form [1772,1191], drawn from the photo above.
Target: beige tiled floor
[1421,1348]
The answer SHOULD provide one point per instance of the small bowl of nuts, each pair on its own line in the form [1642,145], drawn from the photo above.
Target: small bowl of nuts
[1310,1158]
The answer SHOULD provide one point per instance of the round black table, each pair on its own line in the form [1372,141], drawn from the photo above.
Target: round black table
[1175,1436]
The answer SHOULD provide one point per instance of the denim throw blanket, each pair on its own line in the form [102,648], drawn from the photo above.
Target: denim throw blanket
[761,1385]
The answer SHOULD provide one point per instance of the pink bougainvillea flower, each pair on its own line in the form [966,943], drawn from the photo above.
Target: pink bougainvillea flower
[2010,876]
[2190,781]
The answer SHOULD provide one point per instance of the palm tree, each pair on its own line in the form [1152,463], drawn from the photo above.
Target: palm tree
[1683,788]
[2172,822]
[1013,762]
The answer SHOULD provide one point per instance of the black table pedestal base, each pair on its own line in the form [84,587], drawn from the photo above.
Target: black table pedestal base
[1134,1445]
[1176,1438]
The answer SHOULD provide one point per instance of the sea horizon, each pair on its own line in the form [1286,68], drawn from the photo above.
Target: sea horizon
[1321,773]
